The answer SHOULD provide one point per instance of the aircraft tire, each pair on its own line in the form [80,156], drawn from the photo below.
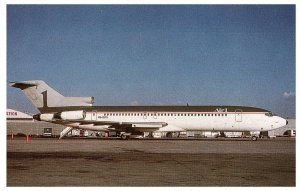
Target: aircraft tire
[124,137]
[169,135]
[254,138]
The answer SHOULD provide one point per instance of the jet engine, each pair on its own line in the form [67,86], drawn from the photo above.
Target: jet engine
[72,115]
[65,115]
[45,117]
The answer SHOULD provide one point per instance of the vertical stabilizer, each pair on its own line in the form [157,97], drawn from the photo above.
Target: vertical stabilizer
[42,95]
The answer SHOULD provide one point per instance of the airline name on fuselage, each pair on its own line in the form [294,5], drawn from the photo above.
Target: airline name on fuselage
[221,110]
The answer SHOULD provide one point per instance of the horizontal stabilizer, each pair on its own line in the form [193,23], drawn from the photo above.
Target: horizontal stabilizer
[22,85]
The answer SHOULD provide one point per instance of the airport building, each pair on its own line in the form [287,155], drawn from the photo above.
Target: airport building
[20,123]
[288,130]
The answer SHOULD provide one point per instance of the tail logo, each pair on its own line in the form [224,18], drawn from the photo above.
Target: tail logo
[44,93]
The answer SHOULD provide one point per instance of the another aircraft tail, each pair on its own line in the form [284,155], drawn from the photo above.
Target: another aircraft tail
[42,96]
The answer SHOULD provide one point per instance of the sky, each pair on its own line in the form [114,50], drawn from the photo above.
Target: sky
[156,54]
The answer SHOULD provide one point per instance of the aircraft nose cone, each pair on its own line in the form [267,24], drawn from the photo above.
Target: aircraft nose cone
[287,122]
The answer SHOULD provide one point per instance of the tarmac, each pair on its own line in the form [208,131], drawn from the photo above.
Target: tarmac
[183,162]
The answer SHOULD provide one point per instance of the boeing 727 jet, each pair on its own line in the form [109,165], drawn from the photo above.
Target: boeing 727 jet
[79,113]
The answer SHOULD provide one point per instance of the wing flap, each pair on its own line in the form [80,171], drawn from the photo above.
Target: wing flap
[143,125]
[110,125]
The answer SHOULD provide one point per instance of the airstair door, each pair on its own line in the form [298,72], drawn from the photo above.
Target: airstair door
[238,115]
[94,116]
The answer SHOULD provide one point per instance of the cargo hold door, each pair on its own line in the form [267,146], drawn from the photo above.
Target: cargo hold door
[94,116]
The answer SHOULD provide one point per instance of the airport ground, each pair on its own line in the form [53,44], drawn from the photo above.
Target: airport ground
[192,162]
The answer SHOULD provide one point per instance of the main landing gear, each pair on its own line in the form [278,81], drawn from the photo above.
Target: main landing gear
[254,138]
[125,136]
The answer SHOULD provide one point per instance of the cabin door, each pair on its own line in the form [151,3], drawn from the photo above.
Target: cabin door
[238,115]
[94,116]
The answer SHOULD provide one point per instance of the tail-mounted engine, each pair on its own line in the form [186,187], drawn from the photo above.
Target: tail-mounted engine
[65,115]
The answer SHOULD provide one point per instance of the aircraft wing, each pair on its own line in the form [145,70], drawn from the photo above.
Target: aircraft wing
[114,125]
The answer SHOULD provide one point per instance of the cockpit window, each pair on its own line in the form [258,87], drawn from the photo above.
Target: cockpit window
[270,114]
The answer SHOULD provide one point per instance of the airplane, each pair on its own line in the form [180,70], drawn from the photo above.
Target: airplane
[79,113]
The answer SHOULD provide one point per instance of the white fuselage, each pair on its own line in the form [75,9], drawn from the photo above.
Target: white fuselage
[189,121]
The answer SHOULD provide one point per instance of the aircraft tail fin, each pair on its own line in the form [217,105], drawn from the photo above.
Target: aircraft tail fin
[42,95]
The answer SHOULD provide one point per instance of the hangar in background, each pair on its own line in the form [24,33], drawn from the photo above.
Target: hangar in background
[22,123]
[13,115]
[285,130]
